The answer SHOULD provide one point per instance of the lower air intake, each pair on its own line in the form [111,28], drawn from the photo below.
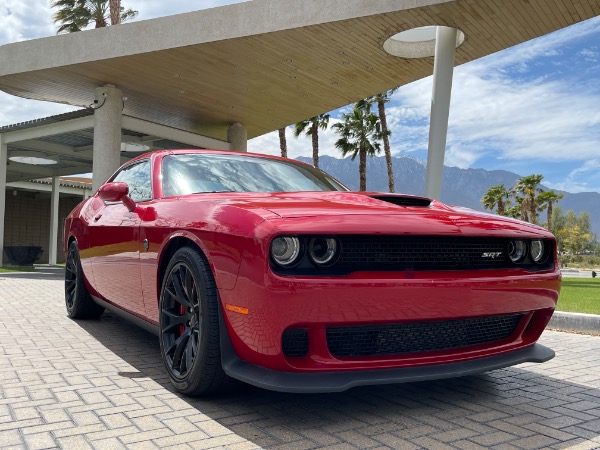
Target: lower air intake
[295,342]
[400,338]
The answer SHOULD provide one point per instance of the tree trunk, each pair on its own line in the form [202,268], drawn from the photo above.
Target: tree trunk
[283,142]
[386,144]
[533,210]
[524,210]
[100,22]
[115,12]
[362,168]
[315,142]
[501,207]
[549,216]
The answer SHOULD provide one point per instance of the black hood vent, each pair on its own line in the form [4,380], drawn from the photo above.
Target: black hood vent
[400,200]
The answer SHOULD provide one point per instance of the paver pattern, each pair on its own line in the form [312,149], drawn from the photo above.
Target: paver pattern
[101,385]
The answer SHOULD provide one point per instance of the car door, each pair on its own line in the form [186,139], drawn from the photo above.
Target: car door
[115,238]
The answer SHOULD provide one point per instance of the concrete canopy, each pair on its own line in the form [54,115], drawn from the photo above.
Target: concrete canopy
[68,139]
[266,63]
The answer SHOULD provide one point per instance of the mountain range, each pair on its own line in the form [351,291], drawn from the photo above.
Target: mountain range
[461,187]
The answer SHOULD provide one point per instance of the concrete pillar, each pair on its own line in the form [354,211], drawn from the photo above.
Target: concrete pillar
[3,168]
[443,68]
[108,115]
[237,135]
[54,199]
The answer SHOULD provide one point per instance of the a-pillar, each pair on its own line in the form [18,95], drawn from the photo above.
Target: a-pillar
[443,68]
[3,161]
[237,136]
[108,116]
[54,199]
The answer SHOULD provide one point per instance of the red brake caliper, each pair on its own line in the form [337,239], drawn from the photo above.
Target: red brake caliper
[182,312]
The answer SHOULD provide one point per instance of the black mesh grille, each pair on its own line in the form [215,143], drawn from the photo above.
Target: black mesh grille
[393,339]
[421,253]
[295,342]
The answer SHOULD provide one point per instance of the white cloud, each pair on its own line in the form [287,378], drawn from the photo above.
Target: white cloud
[590,55]
[21,20]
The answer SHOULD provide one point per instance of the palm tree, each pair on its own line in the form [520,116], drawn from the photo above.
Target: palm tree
[528,186]
[381,99]
[360,134]
[548,198]
[496,196]
[311,128]
[75,15]
[283,142]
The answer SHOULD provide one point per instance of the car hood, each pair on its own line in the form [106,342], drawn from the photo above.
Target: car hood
[332,212]
[350,210]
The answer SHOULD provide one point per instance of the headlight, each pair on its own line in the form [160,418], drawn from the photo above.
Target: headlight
[517,251]
[285,250]
[536,250]
[322,250]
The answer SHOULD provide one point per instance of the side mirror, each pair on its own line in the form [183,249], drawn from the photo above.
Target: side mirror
[116,192]
[113,192]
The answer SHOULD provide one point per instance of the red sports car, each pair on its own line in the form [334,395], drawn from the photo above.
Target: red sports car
[269,271]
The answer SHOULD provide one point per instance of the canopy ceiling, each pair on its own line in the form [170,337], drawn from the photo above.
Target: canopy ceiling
[68,140]
[265,63]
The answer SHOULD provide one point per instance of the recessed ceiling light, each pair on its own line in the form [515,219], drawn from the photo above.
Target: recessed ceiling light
[417,42]
[34,158]
[133,147]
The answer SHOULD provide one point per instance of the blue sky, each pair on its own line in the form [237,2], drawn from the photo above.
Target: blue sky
[533,108]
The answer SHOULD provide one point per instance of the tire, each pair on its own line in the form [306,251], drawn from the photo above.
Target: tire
[189,326]
[79,303]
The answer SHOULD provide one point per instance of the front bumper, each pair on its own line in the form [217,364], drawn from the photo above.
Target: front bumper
[276,303]
[317,382]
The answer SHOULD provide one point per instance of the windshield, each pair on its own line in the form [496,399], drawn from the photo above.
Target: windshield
[191,173]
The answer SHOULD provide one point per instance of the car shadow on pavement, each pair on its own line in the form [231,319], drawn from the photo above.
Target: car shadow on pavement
[487,410]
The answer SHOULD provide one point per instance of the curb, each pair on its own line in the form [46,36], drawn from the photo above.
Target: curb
[575,322]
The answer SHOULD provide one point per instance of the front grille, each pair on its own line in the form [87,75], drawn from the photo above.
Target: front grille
[401,338]
[422,253]
[295,342]
[374,253]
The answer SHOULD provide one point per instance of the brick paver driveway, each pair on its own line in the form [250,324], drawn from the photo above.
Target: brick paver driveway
[68,384]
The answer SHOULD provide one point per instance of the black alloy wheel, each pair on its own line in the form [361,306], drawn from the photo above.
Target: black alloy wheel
[78,301]
[181,319]
[189,325]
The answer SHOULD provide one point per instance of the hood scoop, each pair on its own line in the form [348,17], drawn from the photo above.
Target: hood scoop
[401,200]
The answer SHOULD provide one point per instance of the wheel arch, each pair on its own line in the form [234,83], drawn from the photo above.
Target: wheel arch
[68,241]
[174,243]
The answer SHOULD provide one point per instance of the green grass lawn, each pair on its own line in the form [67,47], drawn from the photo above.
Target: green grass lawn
[16,269]
[580,295]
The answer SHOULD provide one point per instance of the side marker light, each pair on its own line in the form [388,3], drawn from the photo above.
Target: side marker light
[237,309]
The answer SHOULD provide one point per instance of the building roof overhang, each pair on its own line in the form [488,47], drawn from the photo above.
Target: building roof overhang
[67,139]
[265,63]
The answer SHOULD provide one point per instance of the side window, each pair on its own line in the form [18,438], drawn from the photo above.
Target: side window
[137,177]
